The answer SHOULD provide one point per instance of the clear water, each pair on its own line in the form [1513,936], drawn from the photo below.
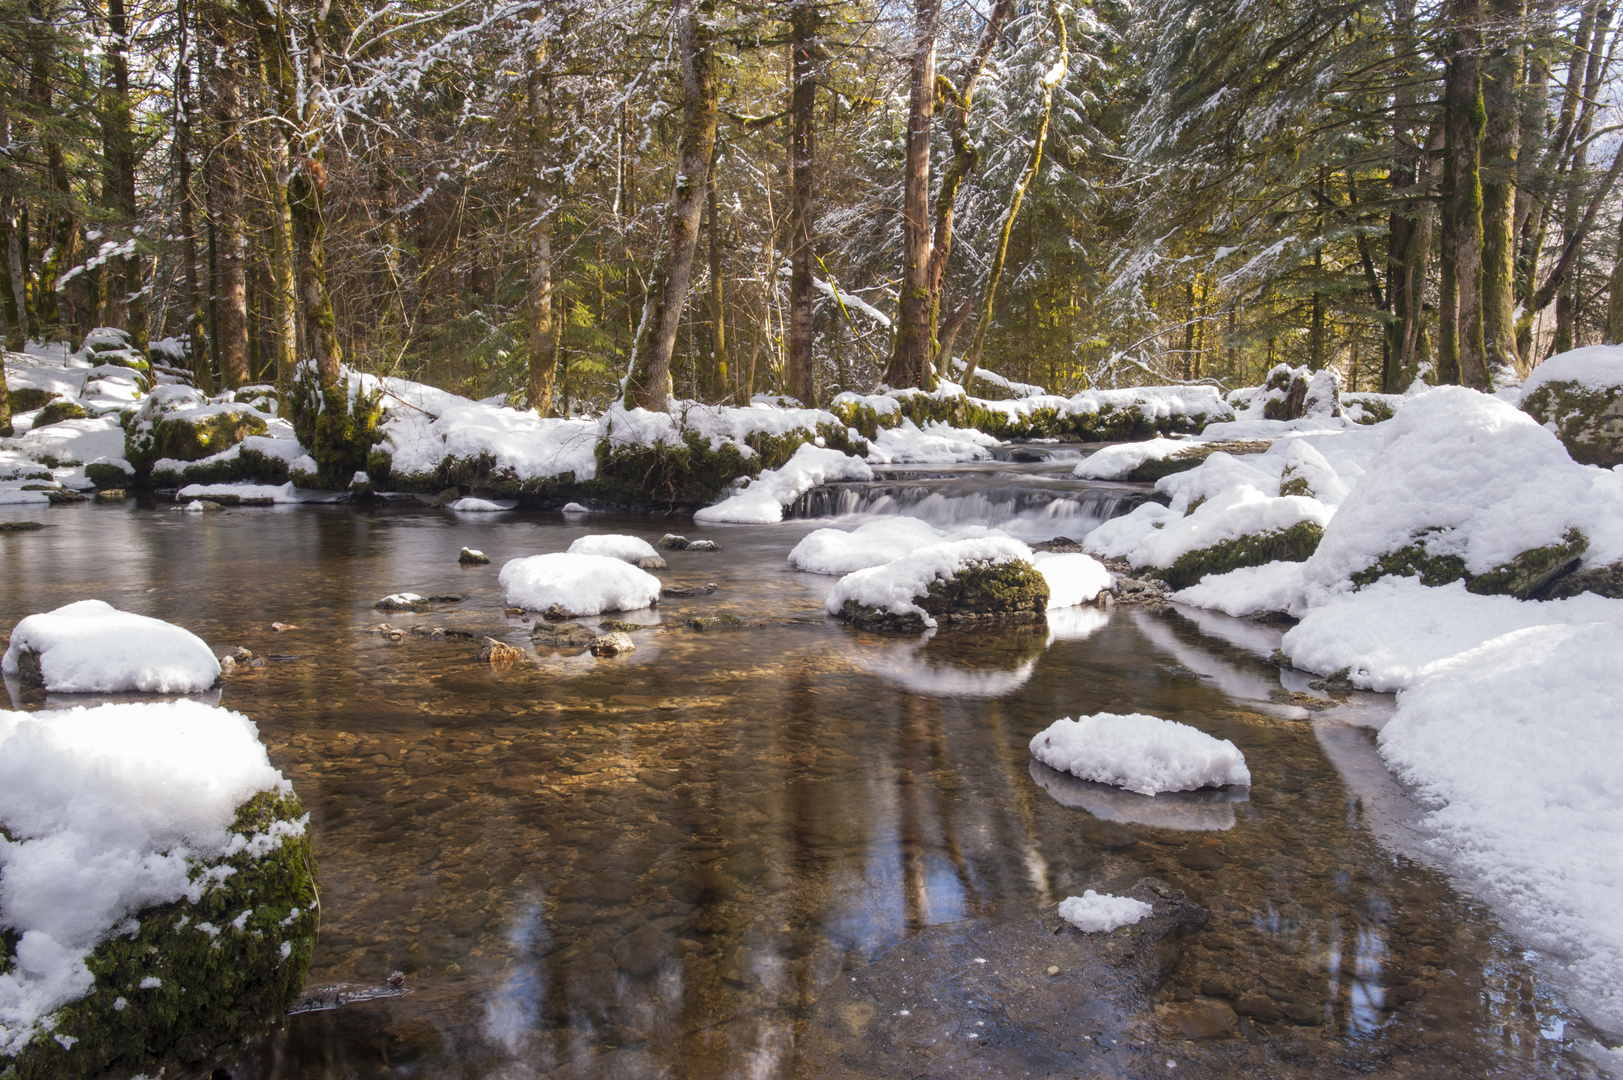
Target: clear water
[657,865]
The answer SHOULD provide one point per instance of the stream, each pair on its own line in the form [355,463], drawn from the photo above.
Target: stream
[665,863]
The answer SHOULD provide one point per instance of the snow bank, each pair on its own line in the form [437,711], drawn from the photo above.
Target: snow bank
[73,440]
[1116,462]
[108,810]
[1515,745]
[1484,476]
[1160,537]
[580,584]
[1141,753]
[1275,586]
[763,501]
[1073,578]
[91,647]
[422,429]
[1595,367]
[1098,913]
[631,549]
[933,444]
[835,551]
[894,586]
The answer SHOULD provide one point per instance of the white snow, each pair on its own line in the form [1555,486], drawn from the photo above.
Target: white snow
[1098,913]
[470,505]
[580,584]
[933,444]
[1275,586]
[894,586]
[110,810]
[1073,578]
[631,549]
[279,493]
[1155,536]
[1115,462]
[1141,753]
[762,502]
[1596,367]
[91,647]
[835,551]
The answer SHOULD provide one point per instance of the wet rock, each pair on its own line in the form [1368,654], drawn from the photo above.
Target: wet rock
[228,665]
[111,495]
[1218,988]
[65,498]
[257,662]
[1060,544]
[1201,857]
[724,621]
[470,557]
[704,545]
[402,602]
[621,627]
[448,598]
[20,526]
[1301,1014]
[512,612]
[679,591]
[1197,1020]
[1302,701]
[282,627]
[241,655]
[641,952]
[390,633]
[673,542]
[565,636]
[652,562]
[1259,1006]
[559,613]
[499,652]
[612,644]
[447,496]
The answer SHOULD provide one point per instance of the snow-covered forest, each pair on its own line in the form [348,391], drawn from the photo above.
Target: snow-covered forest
[495,197]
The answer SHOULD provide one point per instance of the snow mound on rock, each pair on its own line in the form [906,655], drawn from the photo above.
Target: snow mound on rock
[1115,462]
[1098,913]
[105,809]
[91,647]
[894,586]
[1141,753]
[471,505]
[835,551]
[1597,367]
[629,549]
[763,501]
[1073,578]
[1275,586]
[580,584]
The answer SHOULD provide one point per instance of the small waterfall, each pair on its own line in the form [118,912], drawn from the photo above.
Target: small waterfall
[1030,506]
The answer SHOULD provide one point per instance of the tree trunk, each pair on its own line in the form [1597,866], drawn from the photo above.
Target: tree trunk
[60,228]
[965,159]
[910,361]
[1502,89]
[803,59]
[719,359]
[284,293]
[225,197]
[196,333]
[1462,196]
[1614,295]
[121,142]
[1033,164]
[542,358]
[649,384]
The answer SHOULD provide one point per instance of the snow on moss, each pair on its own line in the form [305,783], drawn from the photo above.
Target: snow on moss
[896,586]
[107,811]
[836,551]
[91,647]
[762,502]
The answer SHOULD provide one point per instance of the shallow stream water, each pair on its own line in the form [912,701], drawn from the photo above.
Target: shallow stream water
[659,864]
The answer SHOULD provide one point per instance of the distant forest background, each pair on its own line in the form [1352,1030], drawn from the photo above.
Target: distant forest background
[494,197]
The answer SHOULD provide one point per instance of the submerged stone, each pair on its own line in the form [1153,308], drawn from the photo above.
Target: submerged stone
[612,644]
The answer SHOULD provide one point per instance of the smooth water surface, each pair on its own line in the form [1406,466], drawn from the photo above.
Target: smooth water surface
[657,864]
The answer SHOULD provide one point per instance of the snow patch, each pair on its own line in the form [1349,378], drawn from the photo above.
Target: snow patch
[1141,753]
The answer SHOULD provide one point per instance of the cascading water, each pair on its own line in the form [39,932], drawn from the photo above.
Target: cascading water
[1034,500]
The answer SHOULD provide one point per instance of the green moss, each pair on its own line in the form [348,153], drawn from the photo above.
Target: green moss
[690,473]
[1528,575]
[984,591]
[1294,544]
[213,989]
[58,411]
[29,398]
[1588,421]
[106,476]
[339,431]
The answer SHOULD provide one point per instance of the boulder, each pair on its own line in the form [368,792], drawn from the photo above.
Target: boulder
[59,410]
[612,644]
[1294,544]
[499,652]
[977,590]
[1587,418]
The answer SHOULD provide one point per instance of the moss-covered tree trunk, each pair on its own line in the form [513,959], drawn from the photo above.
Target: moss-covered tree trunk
[119,138]
[182,145]
[803,60]
[720,358]
[538,315]
[225,163]
[648,385]
[1463,356]
[1502,87]
[284,295]
[911,355]
[1614,295]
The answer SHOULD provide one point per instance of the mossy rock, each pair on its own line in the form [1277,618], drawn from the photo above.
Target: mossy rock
[1193,457]
[213,989]
[1587,420]
[687,474]
[339,430]
[188,438]
[1532,574]
[28,398]
[58,411]
[984,591]
[106,476]
[1600,580]
[1294,544]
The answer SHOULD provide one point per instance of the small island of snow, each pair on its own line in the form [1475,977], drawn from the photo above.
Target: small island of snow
[1141,753]
[90,647]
